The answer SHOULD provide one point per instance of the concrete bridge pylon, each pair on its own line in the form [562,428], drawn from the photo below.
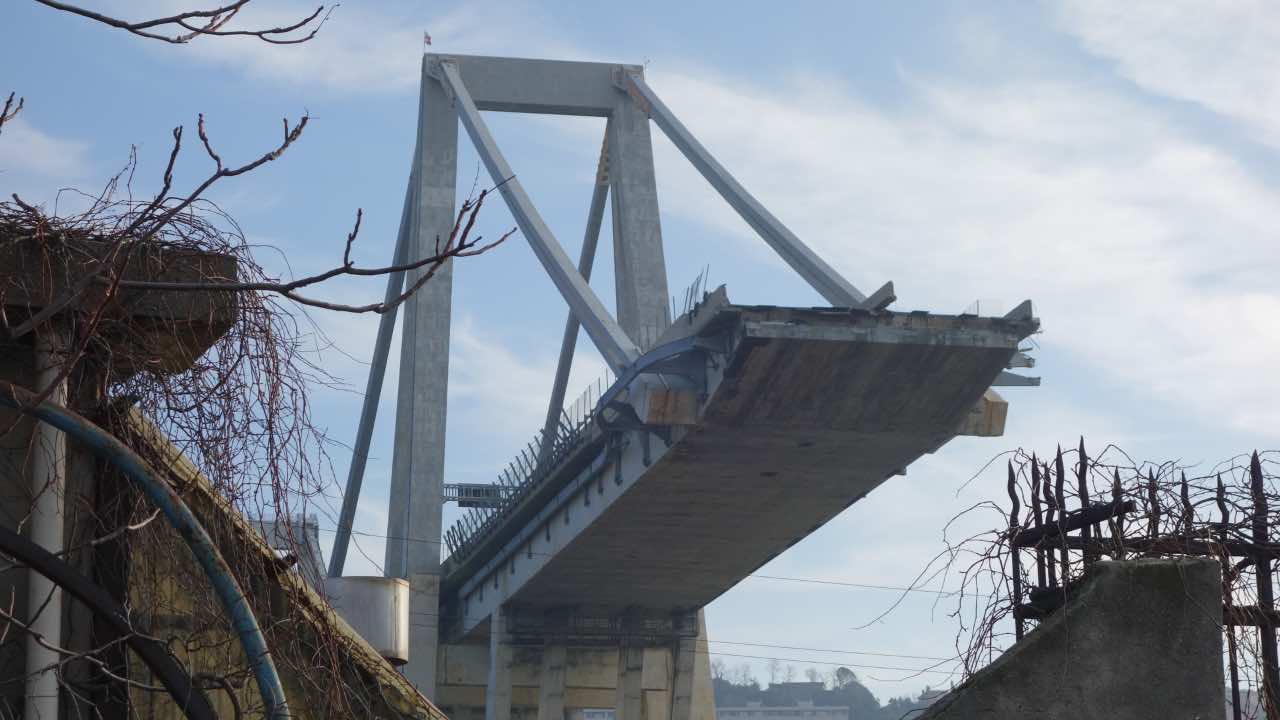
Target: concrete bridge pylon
[578,581]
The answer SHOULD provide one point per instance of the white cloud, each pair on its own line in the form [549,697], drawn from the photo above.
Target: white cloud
[1151,255]
[499,391]
[28,150]
[367,47]
[1220,55]
[1146,250]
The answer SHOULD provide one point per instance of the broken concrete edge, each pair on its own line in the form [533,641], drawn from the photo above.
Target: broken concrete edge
[738,326]
[986,419]
[209,507]
[1092,591]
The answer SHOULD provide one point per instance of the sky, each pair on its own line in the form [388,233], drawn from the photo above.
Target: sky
[1118,164]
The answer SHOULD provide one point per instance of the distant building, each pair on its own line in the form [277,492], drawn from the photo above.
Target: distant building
[299,540]
[804,710]
[1250,704]
[787,701]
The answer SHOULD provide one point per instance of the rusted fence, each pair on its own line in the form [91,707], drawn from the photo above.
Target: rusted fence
[1069,512]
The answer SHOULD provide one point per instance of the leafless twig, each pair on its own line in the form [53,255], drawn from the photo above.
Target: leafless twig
[187,26]
[10,111]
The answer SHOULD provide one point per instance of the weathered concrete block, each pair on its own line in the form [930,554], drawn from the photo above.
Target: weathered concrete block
[1140,640]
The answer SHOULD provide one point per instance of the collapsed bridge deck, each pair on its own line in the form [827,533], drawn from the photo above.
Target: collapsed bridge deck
[743,431]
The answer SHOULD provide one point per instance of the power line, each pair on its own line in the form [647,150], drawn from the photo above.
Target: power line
[828,650]
[931,669]
[754,576]
[872,653]
[866,586]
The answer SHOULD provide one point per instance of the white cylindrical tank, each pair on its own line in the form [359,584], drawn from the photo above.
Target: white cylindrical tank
[378,609]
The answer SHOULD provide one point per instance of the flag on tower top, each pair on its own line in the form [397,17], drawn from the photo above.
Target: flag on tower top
[426,39]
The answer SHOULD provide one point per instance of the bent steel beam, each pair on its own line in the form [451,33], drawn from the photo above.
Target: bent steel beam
[821,276]
[110,449]
[614,344]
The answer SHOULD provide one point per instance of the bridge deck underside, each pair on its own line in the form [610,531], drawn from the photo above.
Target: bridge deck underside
[798,430]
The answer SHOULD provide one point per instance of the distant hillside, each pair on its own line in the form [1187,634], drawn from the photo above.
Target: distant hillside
[842,689]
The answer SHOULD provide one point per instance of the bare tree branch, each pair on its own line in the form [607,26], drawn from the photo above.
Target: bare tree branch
[458,245]
[195,23]
[154,216]
[9,111]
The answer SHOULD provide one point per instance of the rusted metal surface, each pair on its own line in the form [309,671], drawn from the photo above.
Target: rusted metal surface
[1266,596]
[1171,521]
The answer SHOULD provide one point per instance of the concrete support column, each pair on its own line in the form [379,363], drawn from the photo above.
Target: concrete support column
[629,704]
[497,693]
[641,270]
[551,683]
[417,476]
[683,659]
[704,698]
[48,485]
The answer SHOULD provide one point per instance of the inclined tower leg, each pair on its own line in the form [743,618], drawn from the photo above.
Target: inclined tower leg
[413,548]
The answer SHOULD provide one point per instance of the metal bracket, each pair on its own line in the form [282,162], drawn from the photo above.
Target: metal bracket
[1008,379]
[1021,359]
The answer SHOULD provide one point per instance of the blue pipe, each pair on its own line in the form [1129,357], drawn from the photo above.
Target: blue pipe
[109,448]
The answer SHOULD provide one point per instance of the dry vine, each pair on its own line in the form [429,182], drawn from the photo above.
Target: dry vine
[1141,510]
[238,410]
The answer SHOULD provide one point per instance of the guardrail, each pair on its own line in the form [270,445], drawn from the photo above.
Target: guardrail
[531,466]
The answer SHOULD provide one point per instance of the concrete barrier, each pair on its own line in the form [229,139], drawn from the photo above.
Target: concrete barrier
[1139,640]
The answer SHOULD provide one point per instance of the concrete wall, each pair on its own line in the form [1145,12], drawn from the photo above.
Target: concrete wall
[590,679]
[15,503]
[1142,639]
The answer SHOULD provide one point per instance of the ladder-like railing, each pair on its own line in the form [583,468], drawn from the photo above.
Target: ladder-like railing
[528,470]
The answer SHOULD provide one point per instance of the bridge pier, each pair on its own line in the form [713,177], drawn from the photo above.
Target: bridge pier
[551,683]
[630,688]
[554,666]
[497,695]
[684,662]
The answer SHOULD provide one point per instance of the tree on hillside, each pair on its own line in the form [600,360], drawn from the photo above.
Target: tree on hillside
[861,702]
[863,705]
